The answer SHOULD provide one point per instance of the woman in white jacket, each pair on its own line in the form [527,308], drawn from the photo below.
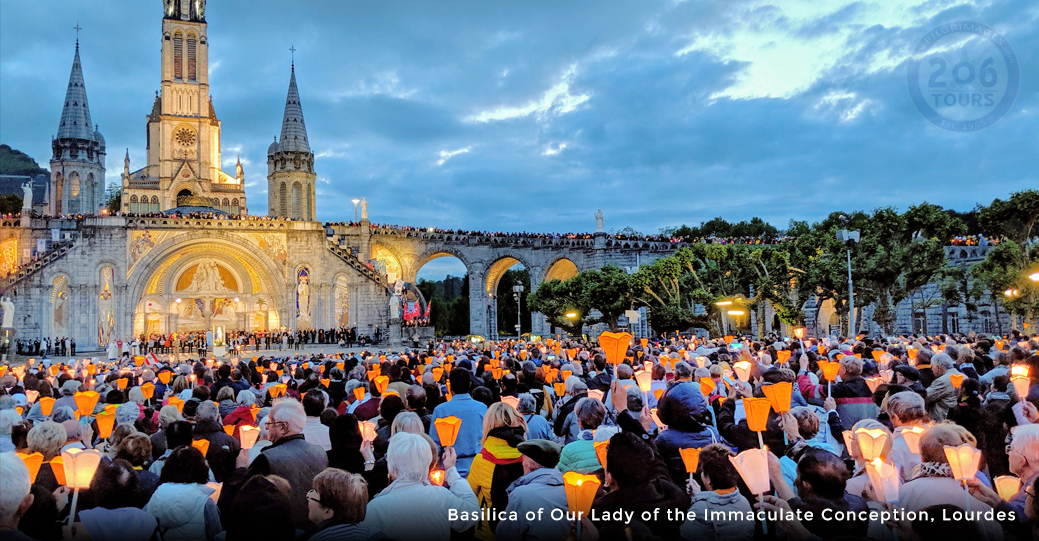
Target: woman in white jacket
[182,503]
[412,507]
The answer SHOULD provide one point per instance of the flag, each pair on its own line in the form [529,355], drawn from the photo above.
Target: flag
[151,360]
[429,305]
[407,313]
[416,312]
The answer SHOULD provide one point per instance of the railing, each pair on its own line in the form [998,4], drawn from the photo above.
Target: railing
[170,222]
[24,273]
[352,260]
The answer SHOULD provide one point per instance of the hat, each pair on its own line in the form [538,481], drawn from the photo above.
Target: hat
[70,387]
[127,413]
[543,452]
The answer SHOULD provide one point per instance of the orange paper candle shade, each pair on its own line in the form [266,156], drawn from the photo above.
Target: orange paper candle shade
[138,360]
[437,373]
[382,358]
[79,465]
[201,445]
[873,383]
[782,356]
[580,491]
[956,380]
[248,434]
[122,383]
[830,369]
[254,411]
[148,390]
[615,346]
[280,373]
[691,458]
[359,393]
[752,465]
[701,362]
[105,423]
[887,375]
[596,394]
[1007,486]
[34,461]
[566,374]
[884,479]
[1020,383]
[912,352]
[571,353]
[229,430]
[877,353]
[743,370]
[86,402]
[963,460]
[850,444]
[644,342]
[511,401]
[278,390]
[46,405]
[381,382]
[321,369]
[757,413]
[447,430]
[560,389]
[1019,370]
[707,386]
[496,373]
[778,395]
[20,410]
[176,401]
[368,430]
[325,382]
[871,442]
[421,369]
[912,438]
[728,338]
[341,366]
[658,393]
[91,369]
[656,419]
[437,477]
[601,448]
[164,377]
[58,467]
[644,380]
[54,369]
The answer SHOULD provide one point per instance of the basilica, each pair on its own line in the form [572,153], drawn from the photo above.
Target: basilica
[183,254]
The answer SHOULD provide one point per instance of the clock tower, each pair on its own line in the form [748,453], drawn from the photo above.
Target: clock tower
[183,146]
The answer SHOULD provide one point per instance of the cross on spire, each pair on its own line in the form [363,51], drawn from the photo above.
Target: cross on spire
[293,50]
[77,28]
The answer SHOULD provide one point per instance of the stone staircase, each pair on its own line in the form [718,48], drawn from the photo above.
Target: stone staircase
[352,260]
[58,251]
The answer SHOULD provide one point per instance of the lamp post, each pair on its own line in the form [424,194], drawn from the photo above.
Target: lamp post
[355,201]
[517,291]
[721,315]
[849,238]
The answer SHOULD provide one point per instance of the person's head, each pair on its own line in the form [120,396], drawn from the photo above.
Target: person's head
[526,403]
[821,474]
[48,438]
[935,438]
[906,408]
[169,414]
[185,465]
[1024,451]
[337,495]
[200,393]
[178,434]
[807,422]
[261,510]
[15,499]
[871,424]
[941,363]
[624,371]
[114,484]
[226,393]
[246,398]
[408,457]
[716,469]
[345,432]
[313,403]
[407,421]
[539,454]
[416,397]
[207,412]
[460,379]
[851,367]
[135,449]
[499,415]
[390,406]
[590,413]
[626,461]
[287,418]
[224,371]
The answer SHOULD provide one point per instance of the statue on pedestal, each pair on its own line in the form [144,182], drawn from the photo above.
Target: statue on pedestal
[364,208]
[598,221]
[8,317]
[27,195]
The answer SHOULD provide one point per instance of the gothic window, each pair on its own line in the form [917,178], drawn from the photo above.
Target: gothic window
[134,206]
[192,62]
[310,205]
[74,193]
[59,190]
[178,56]
[313,203]
[297,201]
[920,322]
[283,200]
[954,322]
[155,204]
[235,209]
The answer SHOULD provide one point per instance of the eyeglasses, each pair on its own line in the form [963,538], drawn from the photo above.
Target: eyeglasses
[271,422]
[312,498]
[1010,448]
[1030,491]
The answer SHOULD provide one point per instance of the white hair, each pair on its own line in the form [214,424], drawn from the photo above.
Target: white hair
[1026,442]
[574,384]
[408,457]
[137,396]
[8,418]
[407,421]
[48,438]
[943,360]
[14,485]
[246,398]
[169,414]
[290,412]
[207,411]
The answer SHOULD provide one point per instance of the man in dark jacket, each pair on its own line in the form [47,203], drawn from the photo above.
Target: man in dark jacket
[684,410]
[579,391]
[223,449]
[821,482]
[602,378]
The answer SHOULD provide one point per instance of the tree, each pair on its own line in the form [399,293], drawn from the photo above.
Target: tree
[507,301]
[115,201]
[1009,264]
[449,315]
[555,299]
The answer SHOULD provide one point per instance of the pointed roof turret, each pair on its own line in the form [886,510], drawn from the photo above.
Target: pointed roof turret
[75,116]
[293,130]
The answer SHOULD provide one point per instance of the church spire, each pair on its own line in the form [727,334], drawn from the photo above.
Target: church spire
[75,116]
[293,130]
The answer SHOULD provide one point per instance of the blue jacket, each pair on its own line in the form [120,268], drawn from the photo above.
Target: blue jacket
[538,491]
[537,427]
[470,433]
[684,410]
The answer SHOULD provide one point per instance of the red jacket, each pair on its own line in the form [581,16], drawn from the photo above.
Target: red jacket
[240,416]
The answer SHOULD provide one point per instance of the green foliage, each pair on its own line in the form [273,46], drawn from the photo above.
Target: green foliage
[10,204]
[115,201]
[507,302]
[718,227]
[15,162]
[450,297]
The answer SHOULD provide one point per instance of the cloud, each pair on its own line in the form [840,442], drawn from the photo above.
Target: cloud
[448,154]
[557,100]
[550,151]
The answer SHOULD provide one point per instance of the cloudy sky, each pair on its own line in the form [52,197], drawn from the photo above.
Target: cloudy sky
[532,115]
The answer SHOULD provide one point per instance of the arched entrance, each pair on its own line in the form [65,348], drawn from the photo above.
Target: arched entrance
[507,285]
[444,281]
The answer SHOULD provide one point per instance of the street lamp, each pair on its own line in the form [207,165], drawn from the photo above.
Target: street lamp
[517,291]
[849,238]
[1012,293]
[355,201]
[1034,277]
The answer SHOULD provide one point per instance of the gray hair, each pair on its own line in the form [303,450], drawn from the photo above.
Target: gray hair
[683,370]
[574,384]
[8,418]
[942,360]
[408,457]
[604,433]
[48,438]
[624,371]
[62,414]
[634,398]
[207,411]
[290,412]
[526,403]
[407,421]
[1026,442]
[136,396]
[589,412]
[907,405]
[14,485]
[246,398]
[169,414]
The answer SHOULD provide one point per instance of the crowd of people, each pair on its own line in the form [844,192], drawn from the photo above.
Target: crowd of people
[461,441]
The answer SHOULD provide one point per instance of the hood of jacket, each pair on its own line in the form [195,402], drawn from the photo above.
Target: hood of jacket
[176,504]
[715,499]
[544,477]
[682,407]
[128,523]
[208,427]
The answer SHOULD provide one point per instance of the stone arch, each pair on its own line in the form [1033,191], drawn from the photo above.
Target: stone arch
[434,253]
[90,205]
[502,262]
[561,268]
